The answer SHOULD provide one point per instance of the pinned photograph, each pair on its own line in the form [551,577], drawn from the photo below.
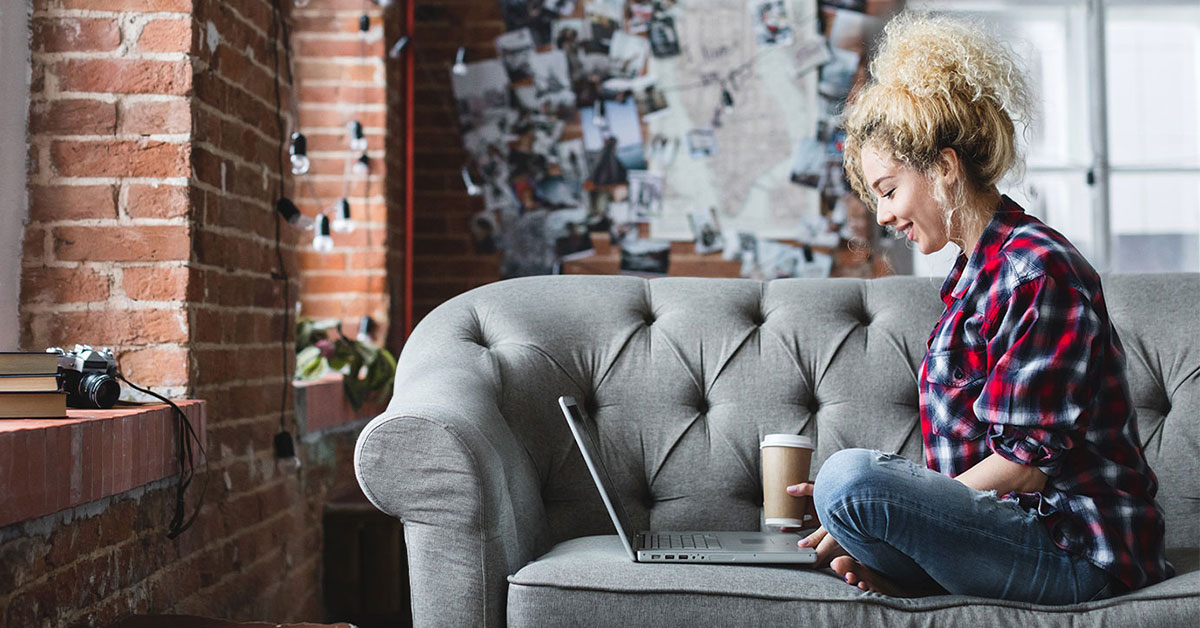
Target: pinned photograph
[701,143]
[662,153]
[568,234]
[605,18]
[706,232]
[808,162]
[645,257]
[646,194]
[817,230]
[772,26]
[837,76]
[640,14]
[777,260]
[811,53]
[485,232]
[740,245]
[853,5]
[664,39]
[529,14]
[569,36]
[552,79]
[618,121]
[516,51]
[571,159]
[559,7]
[627,55]
[526,251]
[854,31]
[481,92]
[813,265]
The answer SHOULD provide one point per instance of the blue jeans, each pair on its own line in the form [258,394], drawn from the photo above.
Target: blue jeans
[932,534]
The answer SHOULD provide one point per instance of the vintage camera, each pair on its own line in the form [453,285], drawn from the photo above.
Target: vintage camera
[88,376]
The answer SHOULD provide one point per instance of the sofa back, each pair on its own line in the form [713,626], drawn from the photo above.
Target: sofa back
[684,376]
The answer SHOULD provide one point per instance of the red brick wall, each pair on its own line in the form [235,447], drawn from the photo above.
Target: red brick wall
[152,229]
[341,76]
[444,263]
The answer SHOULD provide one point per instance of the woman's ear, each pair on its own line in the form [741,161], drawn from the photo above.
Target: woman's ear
[949,165]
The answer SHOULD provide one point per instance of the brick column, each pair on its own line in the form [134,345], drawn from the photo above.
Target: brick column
[108,244]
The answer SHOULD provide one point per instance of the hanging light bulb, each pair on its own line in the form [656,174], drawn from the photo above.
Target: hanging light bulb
[472,189]
[299,154]
[300,4]
[364,23]
[322,241]
[362,165]
[460,65]
[358,139]
[383,4]
[342,222]
[291,214]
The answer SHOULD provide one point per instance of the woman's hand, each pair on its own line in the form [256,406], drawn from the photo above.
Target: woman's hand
[827,548]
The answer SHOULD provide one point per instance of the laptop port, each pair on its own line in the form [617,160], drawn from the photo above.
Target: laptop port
[670,557]
[654,557]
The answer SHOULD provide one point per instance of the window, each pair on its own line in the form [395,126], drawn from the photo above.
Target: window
[14,107]
[1149,220]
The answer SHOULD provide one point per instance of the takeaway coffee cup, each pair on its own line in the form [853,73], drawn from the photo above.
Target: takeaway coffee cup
[785,461]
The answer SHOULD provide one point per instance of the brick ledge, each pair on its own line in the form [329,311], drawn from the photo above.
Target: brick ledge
[321,404]
[47,465]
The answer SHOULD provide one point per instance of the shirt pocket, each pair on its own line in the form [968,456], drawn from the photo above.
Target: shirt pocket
[953,381]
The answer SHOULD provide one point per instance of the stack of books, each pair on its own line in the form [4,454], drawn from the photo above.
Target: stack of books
[29,386]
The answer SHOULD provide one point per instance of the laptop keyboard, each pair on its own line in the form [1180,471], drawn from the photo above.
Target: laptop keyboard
[682,541]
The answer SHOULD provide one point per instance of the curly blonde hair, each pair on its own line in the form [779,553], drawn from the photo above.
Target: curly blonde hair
[938,83]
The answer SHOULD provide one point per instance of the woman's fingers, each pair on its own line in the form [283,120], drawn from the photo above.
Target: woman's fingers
[804,489]
[813,539]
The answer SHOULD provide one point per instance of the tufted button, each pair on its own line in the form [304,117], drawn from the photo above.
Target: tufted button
[590,406]
[865,318]
[702,406]
[758,319]
[813,405]
[649,318]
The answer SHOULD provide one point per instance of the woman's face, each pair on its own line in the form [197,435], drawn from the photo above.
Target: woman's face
[904,201]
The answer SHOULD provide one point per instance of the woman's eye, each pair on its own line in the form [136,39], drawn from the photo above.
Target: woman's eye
[890,193]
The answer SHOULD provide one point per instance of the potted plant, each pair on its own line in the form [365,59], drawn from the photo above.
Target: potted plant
[367,371]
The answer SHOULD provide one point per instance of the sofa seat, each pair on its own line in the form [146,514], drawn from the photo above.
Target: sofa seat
[567,585]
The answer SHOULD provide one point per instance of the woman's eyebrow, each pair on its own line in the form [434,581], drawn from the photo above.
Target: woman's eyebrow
[880,179]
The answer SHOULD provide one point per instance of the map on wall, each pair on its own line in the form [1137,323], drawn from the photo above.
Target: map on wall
[736,158]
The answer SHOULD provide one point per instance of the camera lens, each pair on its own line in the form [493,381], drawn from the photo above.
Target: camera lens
[99,389]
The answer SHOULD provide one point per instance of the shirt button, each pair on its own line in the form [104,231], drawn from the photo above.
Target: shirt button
[958,374]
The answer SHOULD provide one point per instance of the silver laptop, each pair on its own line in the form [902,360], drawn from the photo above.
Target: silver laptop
[679,547]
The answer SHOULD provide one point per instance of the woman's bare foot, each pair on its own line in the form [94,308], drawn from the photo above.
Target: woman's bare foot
[867,579]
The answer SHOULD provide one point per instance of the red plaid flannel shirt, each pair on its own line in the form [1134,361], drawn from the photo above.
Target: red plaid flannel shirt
[1025,363]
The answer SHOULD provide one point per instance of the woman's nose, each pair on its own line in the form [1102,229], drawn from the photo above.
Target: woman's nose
[883,217]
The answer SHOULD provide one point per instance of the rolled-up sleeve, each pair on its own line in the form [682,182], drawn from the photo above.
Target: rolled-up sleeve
[1042,349]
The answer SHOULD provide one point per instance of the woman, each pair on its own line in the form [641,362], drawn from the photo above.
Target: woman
[1037,488]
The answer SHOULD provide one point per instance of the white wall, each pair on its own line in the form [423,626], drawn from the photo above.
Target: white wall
[14,107]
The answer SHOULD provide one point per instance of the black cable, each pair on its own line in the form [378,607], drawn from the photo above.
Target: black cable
[186,435]
[277,26]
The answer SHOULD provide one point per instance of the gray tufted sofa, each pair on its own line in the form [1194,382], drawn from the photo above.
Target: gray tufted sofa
[683,377]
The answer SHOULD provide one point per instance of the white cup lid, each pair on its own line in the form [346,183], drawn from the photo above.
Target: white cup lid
[786,440]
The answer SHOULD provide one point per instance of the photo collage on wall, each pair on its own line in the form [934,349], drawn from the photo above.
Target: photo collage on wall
[555,126]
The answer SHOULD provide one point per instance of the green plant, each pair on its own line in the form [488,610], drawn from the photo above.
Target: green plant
[367,371]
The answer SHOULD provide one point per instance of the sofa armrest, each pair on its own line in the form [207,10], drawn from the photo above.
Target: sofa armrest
[466,490]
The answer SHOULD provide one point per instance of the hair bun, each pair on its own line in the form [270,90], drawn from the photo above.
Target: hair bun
[931,56]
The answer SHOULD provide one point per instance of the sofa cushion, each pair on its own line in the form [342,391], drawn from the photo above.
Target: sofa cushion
[590,581]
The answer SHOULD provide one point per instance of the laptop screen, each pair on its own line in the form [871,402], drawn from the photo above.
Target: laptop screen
[581,427]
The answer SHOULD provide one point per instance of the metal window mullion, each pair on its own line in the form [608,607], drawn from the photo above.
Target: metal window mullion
[1098,108]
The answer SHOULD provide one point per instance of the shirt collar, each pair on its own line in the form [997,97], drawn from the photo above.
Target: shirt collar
[990,242]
